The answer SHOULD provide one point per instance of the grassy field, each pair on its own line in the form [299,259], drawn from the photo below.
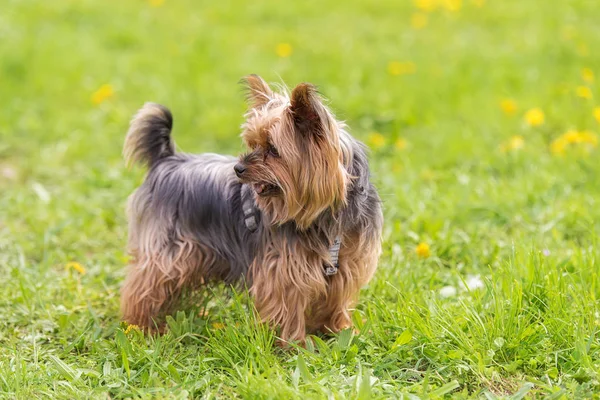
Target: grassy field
[482,120]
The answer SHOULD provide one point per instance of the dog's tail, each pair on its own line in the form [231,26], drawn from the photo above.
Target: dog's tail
[149,137]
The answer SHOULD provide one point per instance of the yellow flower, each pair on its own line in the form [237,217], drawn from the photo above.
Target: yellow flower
[283,50]
[478,3]
[218,325]
[418,20]
[376,140]
[516,142]
[401,144]
[573,137]
[426,5]
[584,92]
[401,68]
[104,92]
[597,113]
[76,266]
[131,327]
[588,75]
[558,146]
[588,138]
[509,106]
[452,5]
[423,250]
[534,117]
[156,3]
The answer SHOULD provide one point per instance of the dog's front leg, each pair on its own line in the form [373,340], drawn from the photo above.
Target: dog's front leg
[283,288]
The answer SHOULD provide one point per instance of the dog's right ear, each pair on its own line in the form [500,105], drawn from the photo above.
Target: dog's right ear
[259,93]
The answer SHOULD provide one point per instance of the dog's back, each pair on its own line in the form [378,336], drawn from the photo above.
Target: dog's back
[186,220]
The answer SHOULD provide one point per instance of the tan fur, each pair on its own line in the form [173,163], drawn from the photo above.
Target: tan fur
[307,192]
[297,146]
[160,268]
[358,262]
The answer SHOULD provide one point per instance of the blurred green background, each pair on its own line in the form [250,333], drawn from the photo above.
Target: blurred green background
[482,117]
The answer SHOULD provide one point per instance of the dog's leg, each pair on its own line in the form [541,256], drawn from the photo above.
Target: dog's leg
[358,261]
[281,304]
[331,313]
[283,287]
[156,279]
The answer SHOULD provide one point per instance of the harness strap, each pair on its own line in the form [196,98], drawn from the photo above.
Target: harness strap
[334,252]
[248,208]
[251,218]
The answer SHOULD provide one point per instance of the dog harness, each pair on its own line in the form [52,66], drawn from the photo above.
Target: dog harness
[251,218]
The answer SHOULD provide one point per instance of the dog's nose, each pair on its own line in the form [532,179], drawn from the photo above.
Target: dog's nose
[239,169]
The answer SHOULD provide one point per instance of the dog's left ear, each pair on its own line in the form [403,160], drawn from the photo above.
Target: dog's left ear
[259,92]
[307,108]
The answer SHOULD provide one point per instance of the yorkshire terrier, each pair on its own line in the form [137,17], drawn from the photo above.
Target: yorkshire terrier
[296,218]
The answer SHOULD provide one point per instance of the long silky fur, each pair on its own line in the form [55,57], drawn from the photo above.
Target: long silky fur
[186,223]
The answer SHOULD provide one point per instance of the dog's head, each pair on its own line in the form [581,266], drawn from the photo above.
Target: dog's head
[294,160]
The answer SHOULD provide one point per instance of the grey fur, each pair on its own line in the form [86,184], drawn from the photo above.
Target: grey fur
[199,198]
[149,136]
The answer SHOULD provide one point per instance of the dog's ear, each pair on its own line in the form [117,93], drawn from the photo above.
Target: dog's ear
[259,93]
[307,109]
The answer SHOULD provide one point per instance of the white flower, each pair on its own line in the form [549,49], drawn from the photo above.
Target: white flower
[448,291]
[473,282]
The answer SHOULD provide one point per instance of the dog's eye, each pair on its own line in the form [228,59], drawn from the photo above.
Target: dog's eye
[272,151]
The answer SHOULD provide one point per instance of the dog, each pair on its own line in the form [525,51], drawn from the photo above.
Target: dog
[296,218]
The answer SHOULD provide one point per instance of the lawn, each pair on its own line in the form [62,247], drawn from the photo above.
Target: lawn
[482,118]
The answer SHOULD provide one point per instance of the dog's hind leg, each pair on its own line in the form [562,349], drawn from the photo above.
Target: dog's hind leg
[163,264]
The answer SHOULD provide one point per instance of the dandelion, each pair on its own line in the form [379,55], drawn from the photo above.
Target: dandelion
[283,50]
[156,3]
[588,137]
[516,142]
[401,68]
[558,146]
[597,113]
[584,92]
[132,327]
[376,140]
[573,137]
[426,5]
[104,92]
[534,117]
[587,75]
[401,144]
[452,5]
[508,106]
[76,266]
[423,250]
[418,20]
[218,325]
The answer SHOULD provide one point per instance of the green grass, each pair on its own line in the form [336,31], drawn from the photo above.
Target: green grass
[519,228]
